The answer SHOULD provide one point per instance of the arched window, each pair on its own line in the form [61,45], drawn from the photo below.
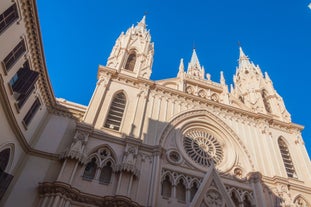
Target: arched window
[234,198]
[90,169]
[181,191]
[5,178]
[166,190]
[116,111]
[287,160]
[247,201]
[193,190]
[264,95]
[4,159]
[131,60]
[106,173]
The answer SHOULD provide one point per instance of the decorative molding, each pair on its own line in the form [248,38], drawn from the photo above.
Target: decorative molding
[73,194]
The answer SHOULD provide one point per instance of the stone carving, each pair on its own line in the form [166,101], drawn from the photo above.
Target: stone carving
[129,162]
[175,176]
[284,194]
[76,149]
[213,198]
[75,195]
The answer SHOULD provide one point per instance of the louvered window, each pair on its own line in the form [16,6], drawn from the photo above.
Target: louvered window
[116,112]
[287,160]
[8,17]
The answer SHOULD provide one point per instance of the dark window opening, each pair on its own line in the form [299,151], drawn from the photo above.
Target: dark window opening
[23,83]
[8,17]
[90,170]
[14,55]
[32,111]
[166,189]
[106,173]
[130,63]
[5,178]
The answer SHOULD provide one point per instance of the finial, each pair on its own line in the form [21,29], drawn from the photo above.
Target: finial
[222,78]
[208,76]
[242,55]
[181,68]
[181,65]
[267,76]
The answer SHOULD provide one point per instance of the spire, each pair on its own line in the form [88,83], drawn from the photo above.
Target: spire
[222,78]
[194,59]
[142,22]
[243,57]
[194,67]
[181,68]
[181,65]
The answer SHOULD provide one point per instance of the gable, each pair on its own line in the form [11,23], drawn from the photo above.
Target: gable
[212,192]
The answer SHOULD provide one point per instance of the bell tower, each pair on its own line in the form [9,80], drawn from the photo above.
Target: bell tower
[256,90]
[133,52]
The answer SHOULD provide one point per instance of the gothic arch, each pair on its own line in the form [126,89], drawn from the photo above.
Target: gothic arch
[10,148]
[203,118]
[181,177]
[264,95]
[235,197]
[95,151]
[131,60]
[247,200]
[112,120]
[286,157]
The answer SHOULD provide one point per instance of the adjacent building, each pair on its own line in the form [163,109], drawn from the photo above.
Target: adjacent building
[182,141]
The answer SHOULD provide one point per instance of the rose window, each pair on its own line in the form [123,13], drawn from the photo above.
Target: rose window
[202,147]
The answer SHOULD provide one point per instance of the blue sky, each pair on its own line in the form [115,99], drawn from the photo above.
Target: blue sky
[276,35]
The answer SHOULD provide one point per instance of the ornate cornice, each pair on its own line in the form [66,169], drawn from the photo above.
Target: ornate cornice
[66,191]
[30,15]
[292,182]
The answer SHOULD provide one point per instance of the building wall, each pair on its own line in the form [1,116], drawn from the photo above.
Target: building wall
[53,157]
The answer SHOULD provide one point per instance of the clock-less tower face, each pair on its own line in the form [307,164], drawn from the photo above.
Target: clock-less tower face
[202,147]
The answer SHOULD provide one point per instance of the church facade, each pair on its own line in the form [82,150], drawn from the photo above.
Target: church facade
[183,141]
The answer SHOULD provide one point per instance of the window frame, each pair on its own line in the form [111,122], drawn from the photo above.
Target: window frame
[110,115]
[4,17]
[35,107]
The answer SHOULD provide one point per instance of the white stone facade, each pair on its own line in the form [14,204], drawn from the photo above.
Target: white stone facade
[184,141]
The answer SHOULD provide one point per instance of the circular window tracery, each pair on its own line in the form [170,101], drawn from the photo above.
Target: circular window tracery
[202,147]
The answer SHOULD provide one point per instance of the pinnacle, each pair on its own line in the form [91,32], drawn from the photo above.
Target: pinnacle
[242,55]
[194,58]
[142,21]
